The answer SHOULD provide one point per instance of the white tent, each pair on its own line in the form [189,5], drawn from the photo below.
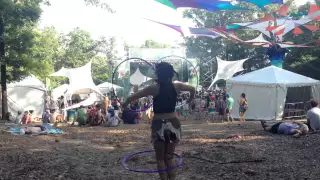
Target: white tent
[137,78]
[266,91]
[106,87]
[28,94]
[226,69]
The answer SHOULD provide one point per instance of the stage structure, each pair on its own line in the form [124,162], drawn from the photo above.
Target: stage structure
[186,69]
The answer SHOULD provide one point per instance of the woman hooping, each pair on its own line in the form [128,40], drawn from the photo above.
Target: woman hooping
[165,127]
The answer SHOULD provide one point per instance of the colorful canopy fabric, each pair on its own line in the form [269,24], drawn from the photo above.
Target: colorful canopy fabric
[190,31]
[215,5]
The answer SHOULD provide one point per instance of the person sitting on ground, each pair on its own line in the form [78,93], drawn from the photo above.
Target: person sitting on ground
[295,128]
[18,119]
[313,116]
[31,116]
[113,119]
[81,116]
[25,118]
[95,117]
[46,117]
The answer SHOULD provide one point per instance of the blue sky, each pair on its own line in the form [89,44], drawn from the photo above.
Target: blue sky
[126,24]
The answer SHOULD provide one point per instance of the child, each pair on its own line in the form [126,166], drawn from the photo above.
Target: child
[185,110]
[178,107]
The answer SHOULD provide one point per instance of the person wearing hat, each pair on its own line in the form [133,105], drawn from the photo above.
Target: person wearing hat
[230,103]
[113,118]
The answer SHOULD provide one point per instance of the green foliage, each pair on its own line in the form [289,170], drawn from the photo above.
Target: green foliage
[20,19]
[154,44]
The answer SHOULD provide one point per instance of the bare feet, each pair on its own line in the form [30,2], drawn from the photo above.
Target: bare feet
[264,125]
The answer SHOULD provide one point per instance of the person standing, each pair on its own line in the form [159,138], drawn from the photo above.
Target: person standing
[230,103]
[165,127]
[243,106]
[221,108]
[313,116]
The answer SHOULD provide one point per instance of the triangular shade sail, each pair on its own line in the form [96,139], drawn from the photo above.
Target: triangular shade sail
[80,80]
[61,73]
[226,69]
[273,75]
[259,39]
[137,78]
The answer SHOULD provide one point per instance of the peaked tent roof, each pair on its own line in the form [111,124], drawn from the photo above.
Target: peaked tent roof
[273,75]
[30,81]
[109,85]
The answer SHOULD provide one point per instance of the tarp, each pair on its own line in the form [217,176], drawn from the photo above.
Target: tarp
[28,94]
[226,69]
[87,102]
[266,91]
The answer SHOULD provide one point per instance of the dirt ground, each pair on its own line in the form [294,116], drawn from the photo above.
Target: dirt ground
[209,152]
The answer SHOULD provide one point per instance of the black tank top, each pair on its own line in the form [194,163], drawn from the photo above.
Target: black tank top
[165,102]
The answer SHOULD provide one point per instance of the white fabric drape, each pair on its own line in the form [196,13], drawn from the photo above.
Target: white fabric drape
[226,69]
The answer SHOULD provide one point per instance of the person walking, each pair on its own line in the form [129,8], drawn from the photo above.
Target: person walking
[243,106]
[230,103]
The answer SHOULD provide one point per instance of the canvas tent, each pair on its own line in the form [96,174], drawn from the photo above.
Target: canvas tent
[106,87]
[266,91]
[28,94]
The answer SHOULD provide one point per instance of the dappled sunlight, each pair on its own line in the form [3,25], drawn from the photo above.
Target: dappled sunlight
[104,147]
[207,140]
[117,131]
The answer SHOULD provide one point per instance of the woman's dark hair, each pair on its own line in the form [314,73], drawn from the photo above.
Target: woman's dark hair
[314,103]
[165,73]
[243,95]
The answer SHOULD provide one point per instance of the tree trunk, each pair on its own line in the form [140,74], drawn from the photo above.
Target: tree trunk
[3,72]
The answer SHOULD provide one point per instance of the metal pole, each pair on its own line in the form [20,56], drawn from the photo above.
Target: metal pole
[3,70]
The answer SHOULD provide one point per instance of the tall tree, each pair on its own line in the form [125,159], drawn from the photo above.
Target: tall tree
[78,47]
[17,21]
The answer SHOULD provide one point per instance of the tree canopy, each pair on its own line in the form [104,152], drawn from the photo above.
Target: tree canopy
[206,49]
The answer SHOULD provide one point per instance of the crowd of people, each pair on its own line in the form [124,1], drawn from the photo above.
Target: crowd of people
[210,105]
